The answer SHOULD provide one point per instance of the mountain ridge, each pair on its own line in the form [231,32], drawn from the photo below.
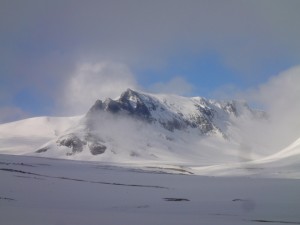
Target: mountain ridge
[171,125]
[195,112]
[195,134]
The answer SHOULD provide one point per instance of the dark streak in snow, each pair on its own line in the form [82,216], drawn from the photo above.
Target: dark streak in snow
[16,164]
[176,199]
[8,199]
[273,221]
[81,180]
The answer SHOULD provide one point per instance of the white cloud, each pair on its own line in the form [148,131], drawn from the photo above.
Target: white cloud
[280,98]
[95,81]
[282,91]
[176,85]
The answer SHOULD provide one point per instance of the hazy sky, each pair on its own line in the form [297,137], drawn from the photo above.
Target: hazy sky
[58,56]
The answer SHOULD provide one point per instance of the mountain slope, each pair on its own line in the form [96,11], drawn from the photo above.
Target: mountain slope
[284,164]
[163,132]
[289,155]
[141,127]
[26,135]
[176,112]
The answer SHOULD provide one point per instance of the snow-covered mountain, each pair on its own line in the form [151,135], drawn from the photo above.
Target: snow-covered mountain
[139,127]
[137,140]
[206,136]
[175,112]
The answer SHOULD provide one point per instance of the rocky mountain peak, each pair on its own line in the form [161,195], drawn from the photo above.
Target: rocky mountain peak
[172,112]
[136,120]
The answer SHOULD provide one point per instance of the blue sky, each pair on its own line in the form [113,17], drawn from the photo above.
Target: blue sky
[57,57]
[207,73]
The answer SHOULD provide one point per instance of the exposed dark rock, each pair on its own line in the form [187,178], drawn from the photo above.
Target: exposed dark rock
[97,106]
[230,108]
[96,148]
[73,142]
[171,125]
[95,144]
[41,150]
[112,106]
[206,112]
[132,103]
[205,124]
[129,103]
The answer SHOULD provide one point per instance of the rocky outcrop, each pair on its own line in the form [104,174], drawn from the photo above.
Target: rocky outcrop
[71,141]
[41,150]
[76,144]
[97,148]
[129,103]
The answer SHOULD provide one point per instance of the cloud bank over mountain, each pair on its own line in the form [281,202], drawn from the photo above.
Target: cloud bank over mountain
[280,97]
[95,81]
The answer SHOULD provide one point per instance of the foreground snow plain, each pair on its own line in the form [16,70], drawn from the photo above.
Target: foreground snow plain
[54,191]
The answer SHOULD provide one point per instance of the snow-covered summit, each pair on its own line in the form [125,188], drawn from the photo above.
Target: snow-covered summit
[175,112]
[206,136]
[153,127]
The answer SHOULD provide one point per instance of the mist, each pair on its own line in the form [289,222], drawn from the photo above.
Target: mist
[124,135]
[275,130]
[92,81]
[279,97]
